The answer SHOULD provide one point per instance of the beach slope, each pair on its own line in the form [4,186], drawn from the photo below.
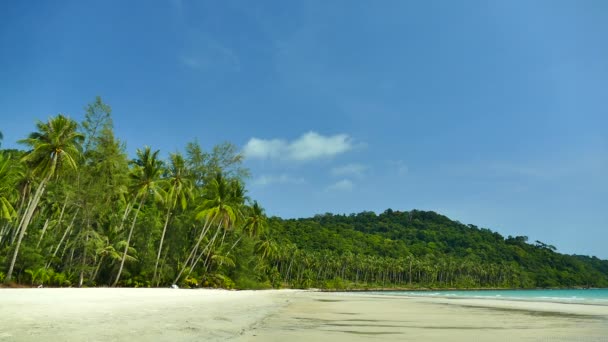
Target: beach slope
[104,314]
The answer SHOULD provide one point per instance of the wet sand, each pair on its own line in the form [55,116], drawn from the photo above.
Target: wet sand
[284,315]
[358,317]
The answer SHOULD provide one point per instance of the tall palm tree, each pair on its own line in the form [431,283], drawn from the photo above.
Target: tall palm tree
[25,181]
[234,200]
[57,143]
[145,181]
[217,207]
[7,189]
[256,223]
[178,189]
[9,175]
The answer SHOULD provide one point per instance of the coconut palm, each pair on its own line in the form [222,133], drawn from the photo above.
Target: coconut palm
[234,200]
[178,189]
[217,207]
[7,189]
[55,145]
[145,181]
[24,182]
[256,223]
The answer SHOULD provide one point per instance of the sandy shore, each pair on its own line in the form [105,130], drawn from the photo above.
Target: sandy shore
[106,314]
[218,315]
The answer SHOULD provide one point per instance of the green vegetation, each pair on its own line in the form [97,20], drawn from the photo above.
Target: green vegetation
[75,211]
[418,249]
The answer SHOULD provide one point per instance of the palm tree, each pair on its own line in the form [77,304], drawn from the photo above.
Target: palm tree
[144,179]
[216,207]
[57,143]
[7,189]
[267,248]
[255,224]
[178,191]
[24,181]
[233,201]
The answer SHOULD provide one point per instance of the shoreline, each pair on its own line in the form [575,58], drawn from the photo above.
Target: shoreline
[126,314]
[499,298]
[427,289]
[330,316]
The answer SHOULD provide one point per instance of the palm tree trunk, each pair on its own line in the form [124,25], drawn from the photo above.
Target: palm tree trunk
[410,272]
[195,260]
[124,254]
[18,228]
[82,263]
[65,234]
[234,244]
[84,254]
[7,227]
[46,225]
[28,217]
[97,268]
[128,209]
[195,248]
[206,249]
[160,246]
[58,221]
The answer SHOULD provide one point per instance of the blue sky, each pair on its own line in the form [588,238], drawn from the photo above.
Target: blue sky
[490,112]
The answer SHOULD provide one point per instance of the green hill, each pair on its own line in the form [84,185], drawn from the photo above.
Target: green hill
[419,249]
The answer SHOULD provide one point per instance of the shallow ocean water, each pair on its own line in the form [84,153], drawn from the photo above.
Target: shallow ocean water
[580,296]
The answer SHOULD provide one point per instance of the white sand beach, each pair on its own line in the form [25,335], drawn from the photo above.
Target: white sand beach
[104,314]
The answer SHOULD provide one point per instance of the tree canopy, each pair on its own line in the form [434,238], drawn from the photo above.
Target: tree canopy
[75,210]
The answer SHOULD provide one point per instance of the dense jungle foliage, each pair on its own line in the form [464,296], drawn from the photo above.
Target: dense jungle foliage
[76,211]
[419,249]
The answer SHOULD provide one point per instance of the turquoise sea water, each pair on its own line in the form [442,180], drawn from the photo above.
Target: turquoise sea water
[588,296]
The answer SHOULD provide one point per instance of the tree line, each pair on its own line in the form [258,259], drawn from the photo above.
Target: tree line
[75,210]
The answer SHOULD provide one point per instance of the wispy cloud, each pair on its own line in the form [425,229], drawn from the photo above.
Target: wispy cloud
[265,180]
[342,185]
[309,146]
[357,170]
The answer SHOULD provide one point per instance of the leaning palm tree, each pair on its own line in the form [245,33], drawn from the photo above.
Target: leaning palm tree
[145,180]
[217,208]
[178,189]
[56,144]
[255,223]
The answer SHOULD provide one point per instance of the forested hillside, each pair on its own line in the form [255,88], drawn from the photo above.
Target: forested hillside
[75,210]
[420,249]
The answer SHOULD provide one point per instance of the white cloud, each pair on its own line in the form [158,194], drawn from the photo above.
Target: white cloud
[264,149]
[343,185]
[308,147]
[313,146]
[356,170]
[265,180]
